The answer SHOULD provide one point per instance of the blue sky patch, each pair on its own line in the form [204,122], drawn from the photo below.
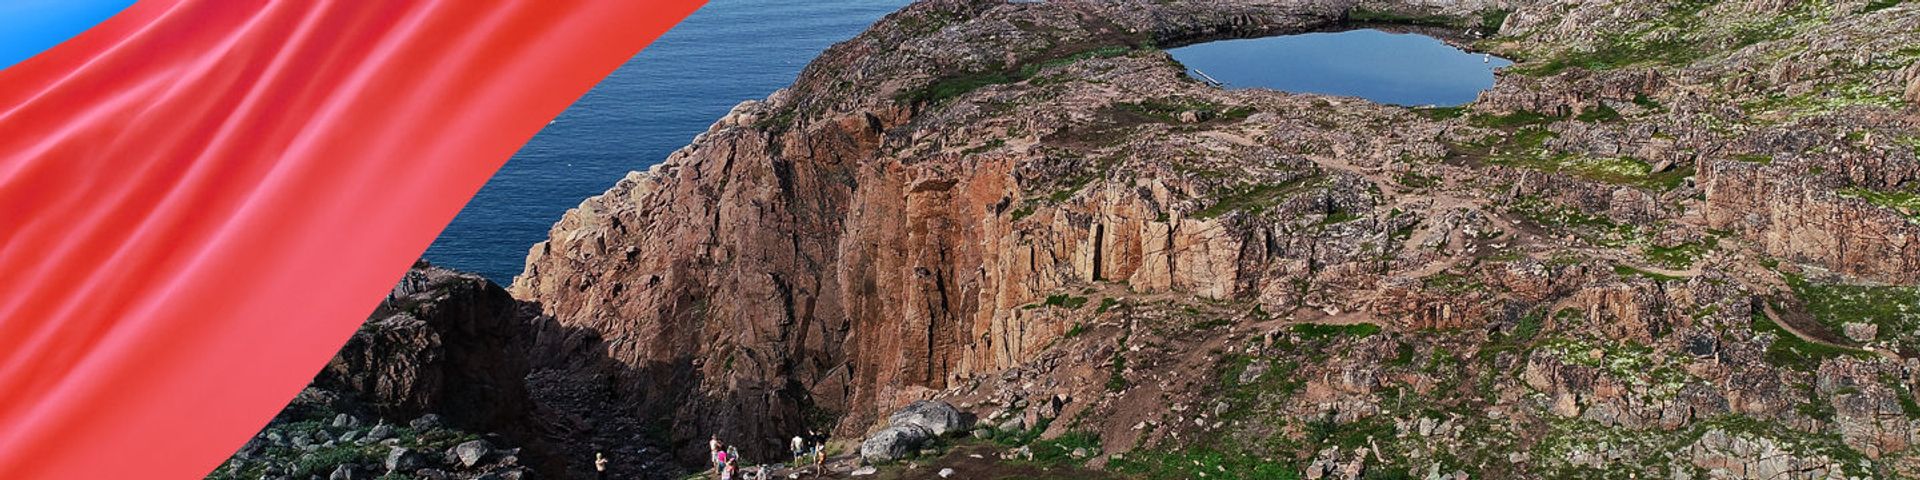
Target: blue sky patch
[28,27]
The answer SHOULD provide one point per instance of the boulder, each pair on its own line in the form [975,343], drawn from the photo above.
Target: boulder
[893,443]
[864,471]
[345,472]
[1025,452]
[1254,371]
[935,416]
[1861,332]
[471,453]
[1016,424]
[426,422]
[380,432]
[402,459]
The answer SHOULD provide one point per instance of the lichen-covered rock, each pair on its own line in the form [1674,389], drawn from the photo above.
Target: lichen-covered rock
[402,459]
[934,416]
[472,452]
[1741,456]
[893,443]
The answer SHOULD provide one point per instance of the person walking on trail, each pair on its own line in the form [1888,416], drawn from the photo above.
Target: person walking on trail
[726,472]
[599,466]
[713,452]
[799,449]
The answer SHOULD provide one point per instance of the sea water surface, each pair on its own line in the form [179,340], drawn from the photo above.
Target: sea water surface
[1393,68]
[727,52]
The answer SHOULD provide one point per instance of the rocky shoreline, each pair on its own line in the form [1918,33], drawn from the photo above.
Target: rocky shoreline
[1676,240]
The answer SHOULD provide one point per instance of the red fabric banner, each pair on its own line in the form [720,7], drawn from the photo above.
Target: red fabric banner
[200,200]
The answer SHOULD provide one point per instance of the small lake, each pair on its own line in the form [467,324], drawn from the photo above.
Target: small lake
[1392,68]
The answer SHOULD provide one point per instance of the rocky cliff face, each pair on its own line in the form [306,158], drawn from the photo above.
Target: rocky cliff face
[432,386]
[452,378]
[442,342]
[1647,238]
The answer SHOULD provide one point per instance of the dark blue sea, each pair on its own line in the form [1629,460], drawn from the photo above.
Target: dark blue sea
[737,50]
[1399,69]
[728,52]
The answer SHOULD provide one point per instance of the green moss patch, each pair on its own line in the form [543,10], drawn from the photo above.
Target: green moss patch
[1878,5]
[1186,464]
[1791,351]
[1907,204]
[953,86]
[1440,113]
[1169,110]
[1600,113]
[1067,301]
[1515,119]
[1679,256]
[1595,229]
[1315,331]
[1255,198]
[1894,309]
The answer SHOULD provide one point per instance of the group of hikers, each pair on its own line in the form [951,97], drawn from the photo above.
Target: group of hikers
[727,463]
[726,459]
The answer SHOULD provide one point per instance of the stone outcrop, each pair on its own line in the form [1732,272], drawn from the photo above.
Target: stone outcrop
[443,342]
[999,203]
[780,252]
[1795,218]
[1735,456]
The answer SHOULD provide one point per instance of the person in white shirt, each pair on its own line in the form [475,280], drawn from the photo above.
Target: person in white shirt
[713,453]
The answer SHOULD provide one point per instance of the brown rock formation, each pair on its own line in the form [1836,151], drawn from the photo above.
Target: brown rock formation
[1792,217]
[804,266]
[932,206]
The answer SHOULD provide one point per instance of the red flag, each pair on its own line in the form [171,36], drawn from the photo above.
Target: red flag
[201,199]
